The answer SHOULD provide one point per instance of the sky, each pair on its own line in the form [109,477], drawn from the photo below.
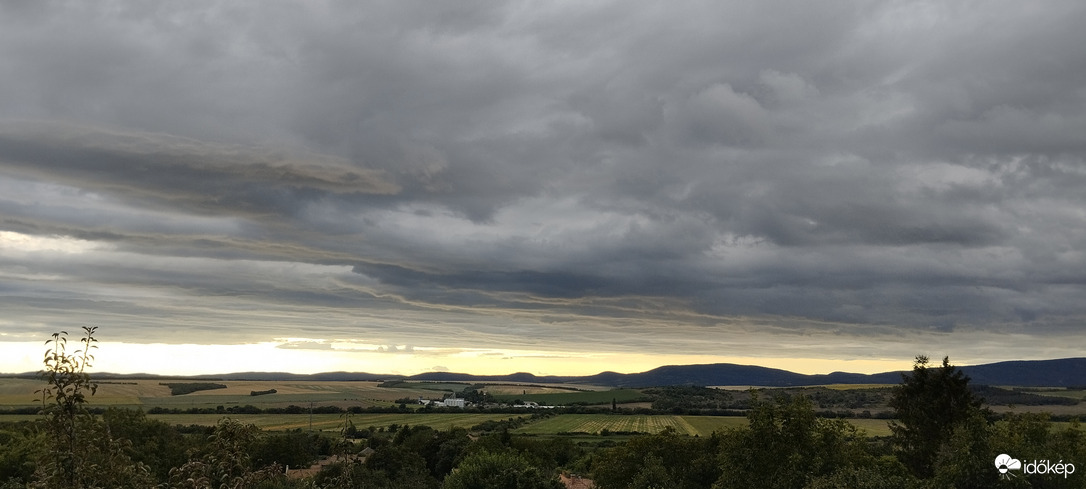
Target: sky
[560,187]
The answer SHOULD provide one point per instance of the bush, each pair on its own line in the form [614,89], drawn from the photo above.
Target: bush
[499,470]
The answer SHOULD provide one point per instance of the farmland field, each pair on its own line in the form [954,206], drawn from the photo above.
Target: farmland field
[321,422]
[149,393]
[1079,394]
[520,390]
[690,425]
[565,423]
[596,423]
[583,397]
[333,422]
[850,387]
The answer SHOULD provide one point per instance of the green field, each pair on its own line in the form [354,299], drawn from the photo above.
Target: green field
[596,423]
[332,422]
[321,422]
[573,397]
[690,425]
[1079,394]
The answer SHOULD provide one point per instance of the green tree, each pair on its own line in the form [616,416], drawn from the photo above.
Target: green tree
[928,405]
[1029,437]
[666,459]
[151,442]
[81,451]
[499,470]
[225,462]
[885,473]
[965,460]
[20,447]
[786,445]
[66,416]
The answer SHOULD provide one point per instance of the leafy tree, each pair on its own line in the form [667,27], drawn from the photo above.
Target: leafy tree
[1030,436]
[401,467]
[964,461]
[548,453]
[499,470]
[666,459]
[928,405]
[225,462]
[293,448]
[885,473]
[81,451]
[151,442]
[786,445]
[19,448]
[67,418]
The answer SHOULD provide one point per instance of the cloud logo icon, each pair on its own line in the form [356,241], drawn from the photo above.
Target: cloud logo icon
[1005,463]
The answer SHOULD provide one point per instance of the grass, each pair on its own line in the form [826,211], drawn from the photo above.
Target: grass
[706,425]
[873,427]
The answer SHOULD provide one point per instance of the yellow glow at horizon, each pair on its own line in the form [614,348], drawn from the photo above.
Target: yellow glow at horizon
[190,359]
[19,242]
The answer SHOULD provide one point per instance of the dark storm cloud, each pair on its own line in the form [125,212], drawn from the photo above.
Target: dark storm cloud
[178,173]
[795,165]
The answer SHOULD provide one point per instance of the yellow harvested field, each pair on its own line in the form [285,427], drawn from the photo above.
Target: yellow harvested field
[21,392]
[849,387]
[150,393]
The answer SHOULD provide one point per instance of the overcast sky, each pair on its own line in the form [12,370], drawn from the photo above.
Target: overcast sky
[544,186]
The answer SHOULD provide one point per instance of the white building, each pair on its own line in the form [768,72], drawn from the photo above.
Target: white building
[454,402]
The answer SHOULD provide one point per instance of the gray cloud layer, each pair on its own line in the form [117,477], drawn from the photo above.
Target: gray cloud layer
[640,176]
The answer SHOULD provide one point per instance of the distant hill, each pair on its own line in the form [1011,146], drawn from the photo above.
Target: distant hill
[709,374]
[1066,372]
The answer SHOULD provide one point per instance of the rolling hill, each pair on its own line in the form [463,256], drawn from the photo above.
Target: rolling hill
[1066,372]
